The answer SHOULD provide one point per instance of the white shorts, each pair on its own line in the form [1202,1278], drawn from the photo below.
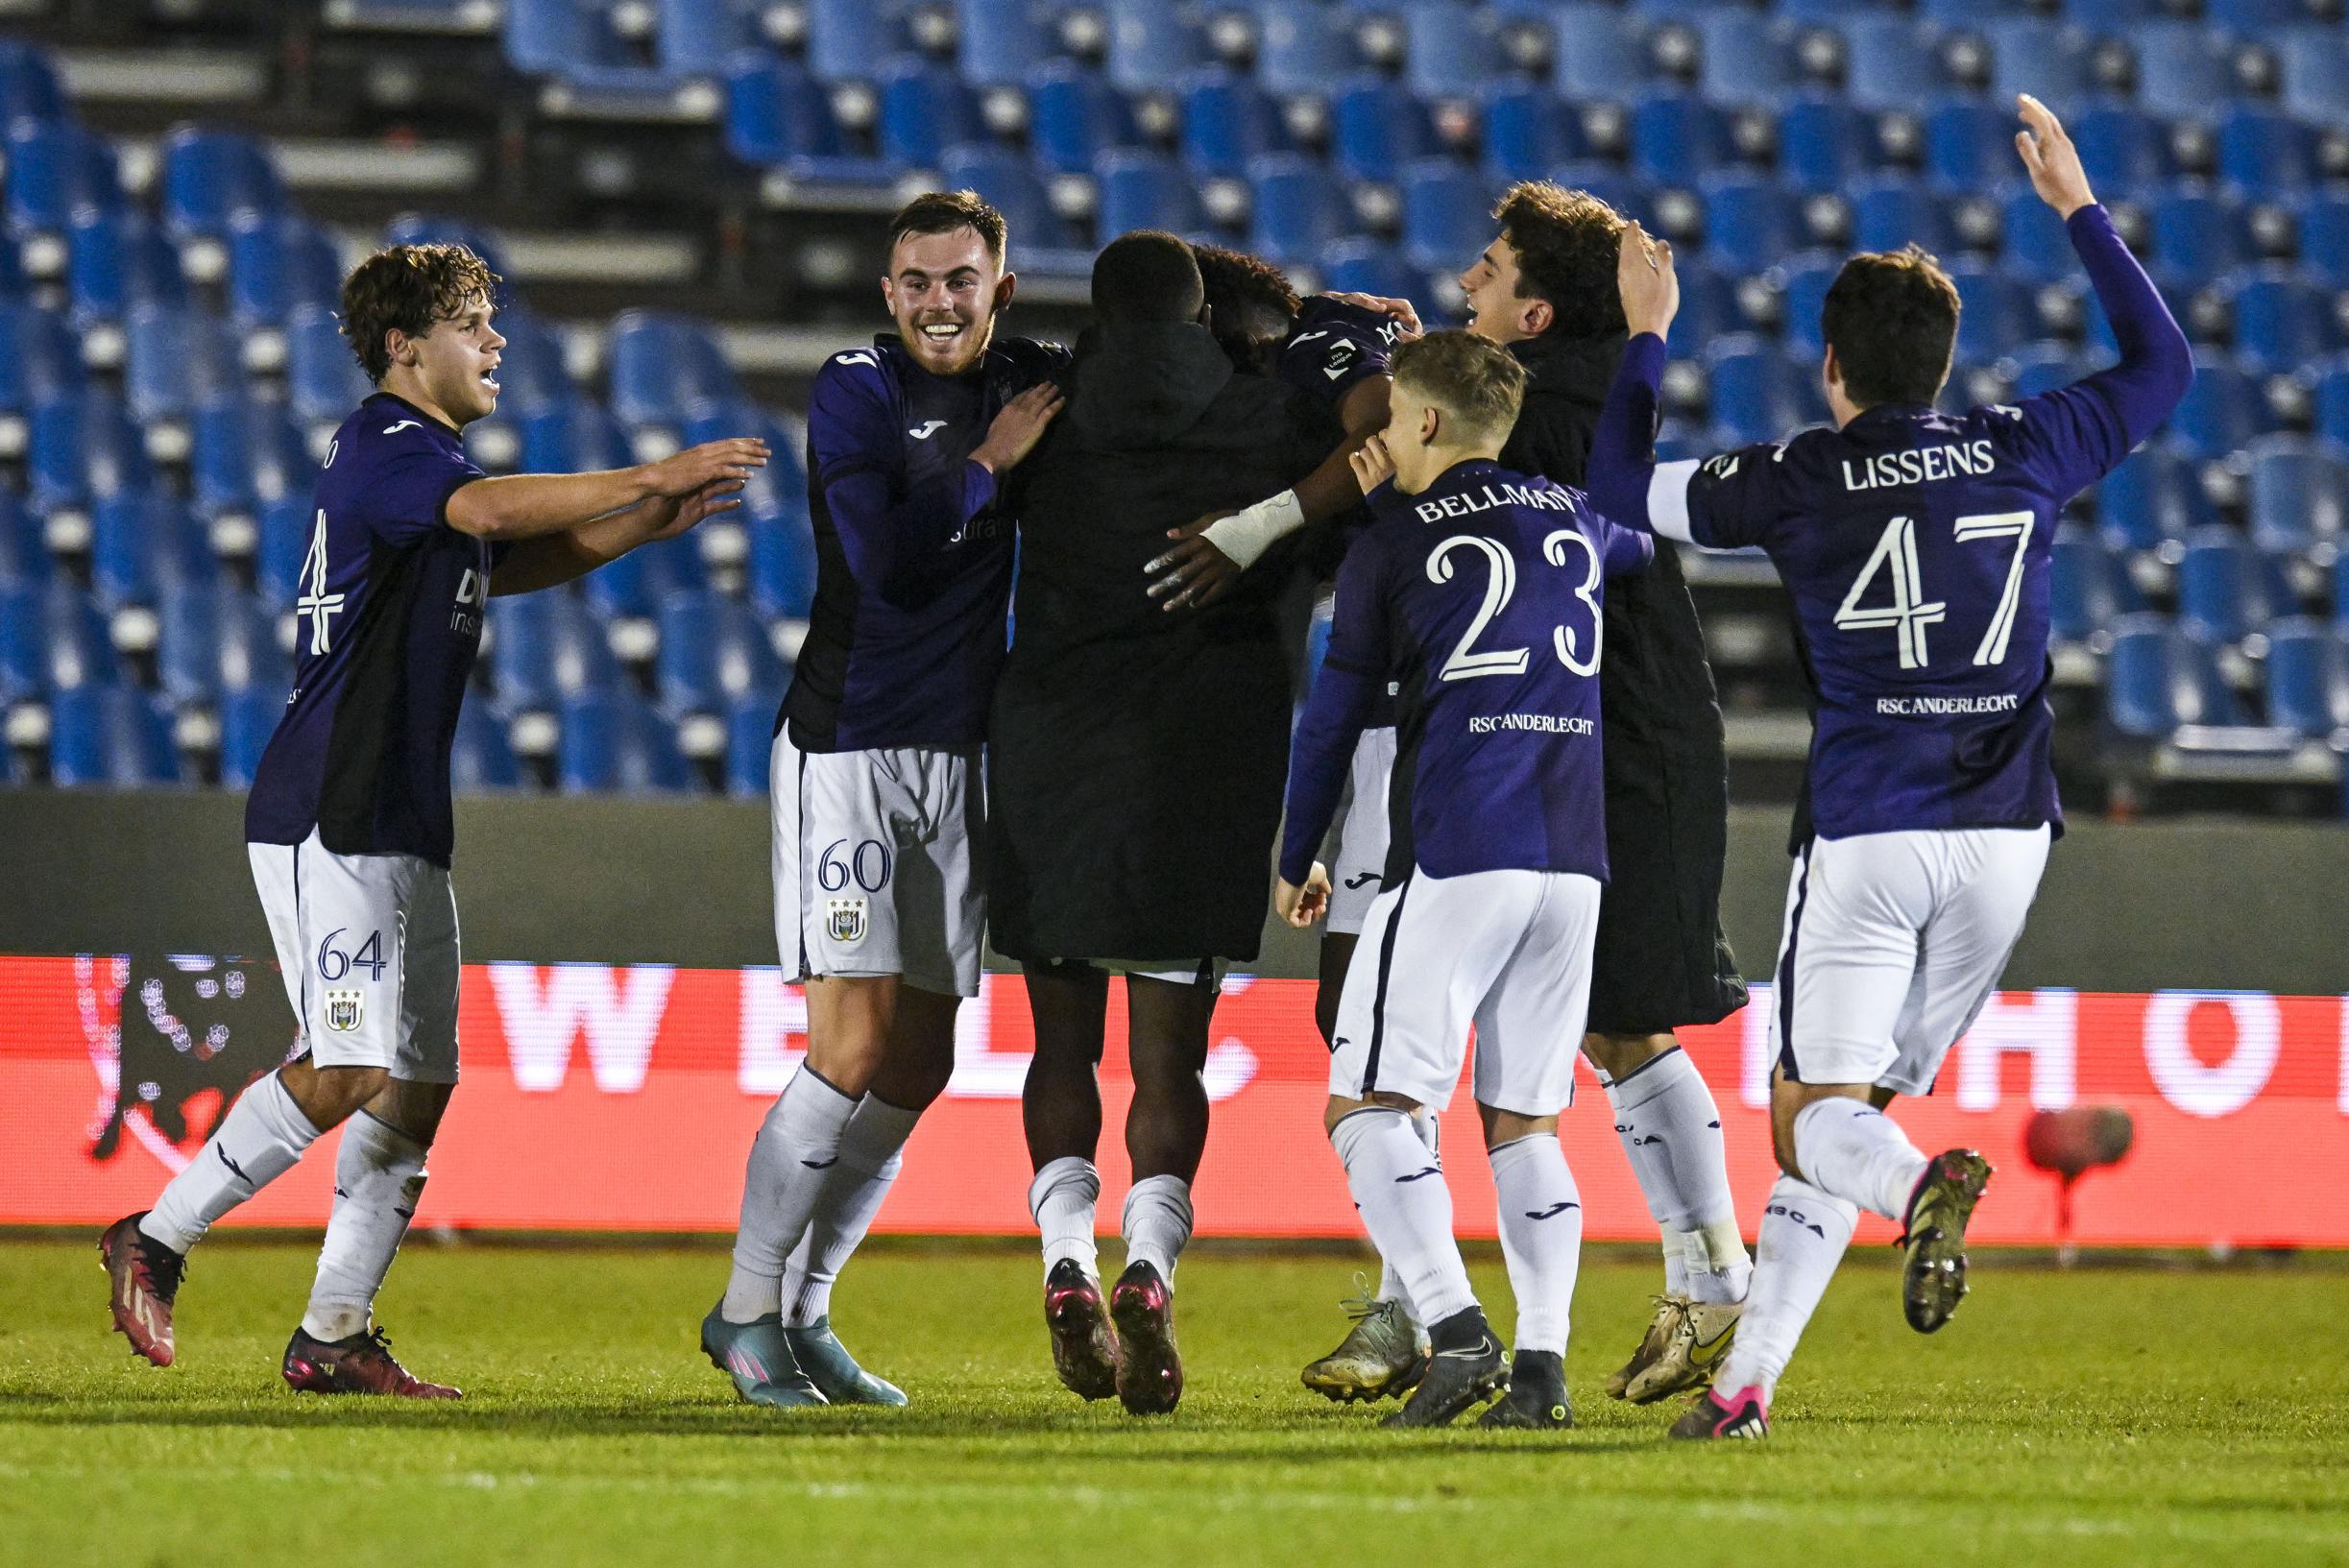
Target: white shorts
[873,863]
[1356,871]
[1893,942]
[368,946]
[1505,952]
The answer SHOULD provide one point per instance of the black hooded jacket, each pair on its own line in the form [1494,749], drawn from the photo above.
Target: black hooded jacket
[1136,757]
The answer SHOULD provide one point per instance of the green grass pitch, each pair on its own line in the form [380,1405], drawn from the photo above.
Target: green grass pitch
[2108,1415]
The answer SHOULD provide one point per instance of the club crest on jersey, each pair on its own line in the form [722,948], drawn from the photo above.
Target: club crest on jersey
[844,920]
[343,1012]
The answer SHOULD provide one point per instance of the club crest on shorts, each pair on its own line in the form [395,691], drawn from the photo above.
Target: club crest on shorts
[844,919]
[342,1011]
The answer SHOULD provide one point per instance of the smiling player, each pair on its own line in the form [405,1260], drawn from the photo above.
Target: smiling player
[349,826]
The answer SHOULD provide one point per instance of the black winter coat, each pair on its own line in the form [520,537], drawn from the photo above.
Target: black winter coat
[1135,758]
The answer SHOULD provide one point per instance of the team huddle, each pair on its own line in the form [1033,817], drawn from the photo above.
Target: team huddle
[1514,735]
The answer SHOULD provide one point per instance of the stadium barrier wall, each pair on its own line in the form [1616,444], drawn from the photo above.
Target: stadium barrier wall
[620,1089]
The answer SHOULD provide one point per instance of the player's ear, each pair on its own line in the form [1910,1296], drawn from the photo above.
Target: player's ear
[1006,287]
[1831,373]
[398,346]
[1431,425]
[1538,316]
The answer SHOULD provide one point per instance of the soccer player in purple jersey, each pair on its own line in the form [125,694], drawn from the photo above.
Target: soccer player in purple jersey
[878,808]
[1915,545]
[1478,593]
[349,824]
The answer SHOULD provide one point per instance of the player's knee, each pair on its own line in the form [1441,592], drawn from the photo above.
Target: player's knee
[1339,1107]
[1620,1055]
[1508,1126]
[327,1096]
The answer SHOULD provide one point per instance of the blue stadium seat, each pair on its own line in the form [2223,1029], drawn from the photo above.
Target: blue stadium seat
[115,260]
[277,263]
[1804,281]
[545,648]
[1000,41]
[2158,678]
[1528,132]
[2120,147]
[440,229]
[2283,319]
[244,453]
[1824,144]
[1152,44]
[2227,590]
[782,567]
[2341,591]
[925,108]
[1449,50]
[2037,247]
[775,492]
[2330,398]
[111,736]
[612,740]
[1677,138]
[2313,63]
[1708,308]
[574,438]
[1445,209]
[24,651]
[188,641]
[1969,146]
[1750,220]
[1627,193]
[250,656]
[2256,16]
[2222,411]
[29,88]
[531,374]
[847,38]
[1366,266]
[1296,213]
[1894,210]
[750,743]
[55,170]
[1301,48]
[1144,190]
[2109,16]
[778,115]
[712,652]
[1226,121]
[1600,52]
[661,365]
[637,583]
[572,39]
[1890,62]
[2197,234]
[1747,58]
[2183,70]
[2308,678]
[212,178]
[2264,153]
[1074,115]
[2038,367]
[481,761]
[1039,236]
[323,379]
[695,37]
[1970,13]
[2087,589]
[2322,224]
[248,719]
[2031,54]
[140,542]
[2298,493]
[1376,128]
[282,530]
[1754,397]
[24,557]
[84,446]
[74,650]
[1996,311]
[40,359]
[174,360]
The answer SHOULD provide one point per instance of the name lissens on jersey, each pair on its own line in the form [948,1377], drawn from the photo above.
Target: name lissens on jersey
[1920,466]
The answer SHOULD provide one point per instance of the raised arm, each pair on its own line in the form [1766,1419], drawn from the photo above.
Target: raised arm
[551,560]
[524,506]
[1622,476]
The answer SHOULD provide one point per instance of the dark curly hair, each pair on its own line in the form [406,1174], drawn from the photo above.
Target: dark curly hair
[1251,303]
[408,288]
[1566,243]
[1891,317]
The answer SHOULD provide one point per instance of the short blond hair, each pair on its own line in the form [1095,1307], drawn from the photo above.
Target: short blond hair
[1479,383]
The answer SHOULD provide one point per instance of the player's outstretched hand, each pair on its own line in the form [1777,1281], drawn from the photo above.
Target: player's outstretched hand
[1193,573]
[734,458]
[2052,161]
[1399,310]
[1651,288]
[1018,427]
[707,502]
[1372,463]
[1302,906]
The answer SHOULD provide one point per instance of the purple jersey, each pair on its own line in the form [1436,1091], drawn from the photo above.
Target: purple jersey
[913,551]
[388,615]
[1335,347]
[1481,598]
[1915,545]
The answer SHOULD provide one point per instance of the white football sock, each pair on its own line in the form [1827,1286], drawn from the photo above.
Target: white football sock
[790,1159]
[1398,1186]
[1061,1200]
[1389,1283]
[1675,1263]
[1804,1233]
[378,1178]
[1541,1236]
[258,1141]
[1853,1150]
[850,1199]
[1715,1263]
[1157,1222]
[1671,1132]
